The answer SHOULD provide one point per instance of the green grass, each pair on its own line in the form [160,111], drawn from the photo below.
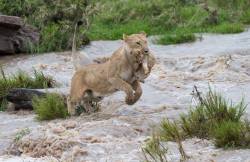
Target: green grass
[227,28]
[177,25]
[115,31]
[213,118]
[22,80]
[50,107]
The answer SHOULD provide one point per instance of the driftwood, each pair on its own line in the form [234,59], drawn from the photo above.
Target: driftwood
[21,98]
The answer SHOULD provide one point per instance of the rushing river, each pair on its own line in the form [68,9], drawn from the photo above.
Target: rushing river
[116,132]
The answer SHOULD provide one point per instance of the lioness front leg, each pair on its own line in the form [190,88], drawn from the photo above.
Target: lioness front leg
[138,90]
[123,86]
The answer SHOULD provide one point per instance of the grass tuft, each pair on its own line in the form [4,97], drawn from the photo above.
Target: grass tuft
[50,107]
[19,135]
[213,118]
[211,110]
[154,150]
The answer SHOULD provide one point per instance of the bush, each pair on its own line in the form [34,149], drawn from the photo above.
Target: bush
[50,107]
[22,80]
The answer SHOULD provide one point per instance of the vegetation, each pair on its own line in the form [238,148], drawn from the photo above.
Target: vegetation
[212,118]
[109,19]
[21,134]
[155,150]
[50,107]
[22,80]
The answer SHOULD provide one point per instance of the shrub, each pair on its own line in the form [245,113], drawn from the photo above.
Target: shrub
[50,107]
[22,80]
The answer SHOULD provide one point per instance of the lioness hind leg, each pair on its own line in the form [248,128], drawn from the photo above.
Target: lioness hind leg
[74,100]
[71,106]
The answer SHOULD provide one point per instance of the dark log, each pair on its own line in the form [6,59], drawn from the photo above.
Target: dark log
[22,94]
[27,105]
[22,97]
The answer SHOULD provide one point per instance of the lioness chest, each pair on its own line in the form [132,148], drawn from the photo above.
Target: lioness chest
[127,75]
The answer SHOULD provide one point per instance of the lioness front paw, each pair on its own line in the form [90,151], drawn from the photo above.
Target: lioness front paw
[137,96]
[130,100]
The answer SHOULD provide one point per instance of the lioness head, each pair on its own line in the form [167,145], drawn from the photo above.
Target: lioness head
[137,46]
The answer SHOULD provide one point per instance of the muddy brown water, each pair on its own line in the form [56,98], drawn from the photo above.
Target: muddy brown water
[117,132]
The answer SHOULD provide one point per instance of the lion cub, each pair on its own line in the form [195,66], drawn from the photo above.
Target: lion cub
[116,74]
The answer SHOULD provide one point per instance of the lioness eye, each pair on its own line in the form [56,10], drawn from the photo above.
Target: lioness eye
[138,43]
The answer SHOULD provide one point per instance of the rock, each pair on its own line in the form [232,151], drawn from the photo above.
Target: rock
[59,130]
[70,124]
[12,22]
[15,35]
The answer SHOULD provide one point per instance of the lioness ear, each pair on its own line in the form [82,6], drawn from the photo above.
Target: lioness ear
[124,37]
[143,33]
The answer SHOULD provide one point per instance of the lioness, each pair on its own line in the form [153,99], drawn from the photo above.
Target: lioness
[115,74]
